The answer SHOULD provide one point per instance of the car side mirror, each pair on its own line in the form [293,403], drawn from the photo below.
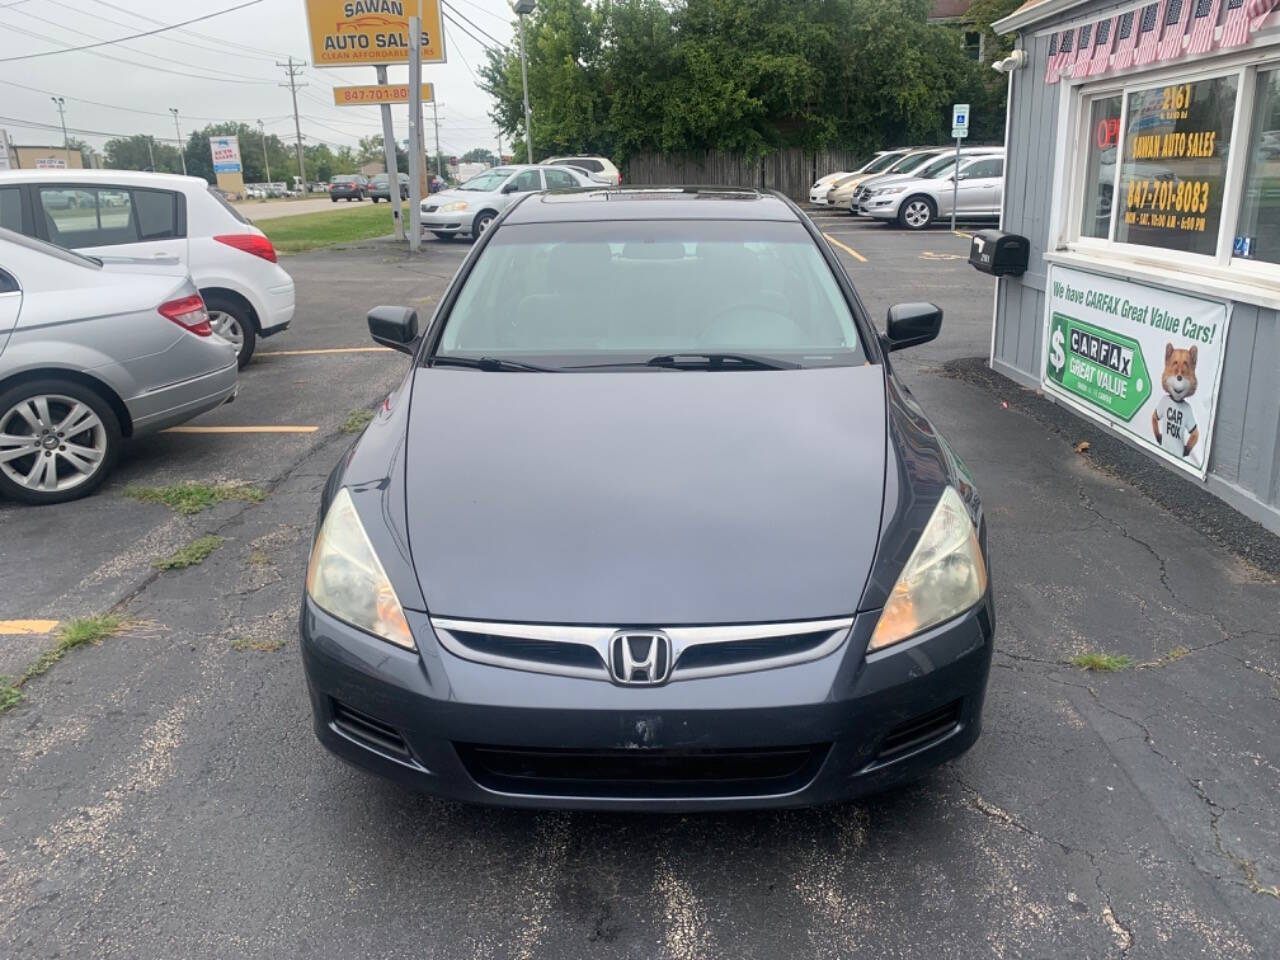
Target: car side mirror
[509,188]
[394,327]
[911,324]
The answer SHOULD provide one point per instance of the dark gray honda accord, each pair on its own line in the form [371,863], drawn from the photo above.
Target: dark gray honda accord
[650,523]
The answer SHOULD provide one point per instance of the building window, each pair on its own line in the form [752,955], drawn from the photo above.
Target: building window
[973,44]
[1100,166]
[1174,165]
[1258,228]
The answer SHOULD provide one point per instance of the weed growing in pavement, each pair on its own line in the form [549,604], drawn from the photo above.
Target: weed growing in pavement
[257,646]
[191,498]
[75,633]
[357,420]
[259,559]
[195,552]
[1102,662]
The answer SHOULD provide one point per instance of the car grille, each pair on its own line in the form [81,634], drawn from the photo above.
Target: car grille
[642,772]
[919,732]
[696,652]
[370,733]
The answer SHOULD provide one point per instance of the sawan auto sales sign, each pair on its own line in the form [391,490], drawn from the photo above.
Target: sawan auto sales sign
[1143,360]
[348,33]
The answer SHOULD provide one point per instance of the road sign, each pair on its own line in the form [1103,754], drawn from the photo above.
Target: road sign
[960,115]
[346,33]
[959,133]
[226,154]
[375,94]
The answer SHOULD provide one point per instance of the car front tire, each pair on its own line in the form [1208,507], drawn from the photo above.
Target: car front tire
[916,213]
[481,223]
[232,321]
[74,441]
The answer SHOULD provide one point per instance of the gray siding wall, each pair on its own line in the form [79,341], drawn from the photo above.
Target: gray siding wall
[1244,466]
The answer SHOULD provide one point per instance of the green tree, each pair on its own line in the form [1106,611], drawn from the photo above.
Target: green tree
[370,149]
[321,164]
[136,152]
[480,155]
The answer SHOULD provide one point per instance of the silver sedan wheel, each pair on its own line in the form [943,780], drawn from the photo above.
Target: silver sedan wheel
[917,213]
[227,327]
[51,442]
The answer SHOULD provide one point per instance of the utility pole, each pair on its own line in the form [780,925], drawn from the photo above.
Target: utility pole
[151,152]
[262,129]
[293,70]
[523,7]
[499,163]
[178,130]
[415,133]
[389,150]
[435,118]
[66,143]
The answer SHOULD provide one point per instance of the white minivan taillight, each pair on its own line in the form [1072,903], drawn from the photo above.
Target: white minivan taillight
[253,243]
[189,313]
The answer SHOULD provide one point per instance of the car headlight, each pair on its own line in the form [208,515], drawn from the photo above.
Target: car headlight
[884,191]
[944,576]
[346,579]
[453,205]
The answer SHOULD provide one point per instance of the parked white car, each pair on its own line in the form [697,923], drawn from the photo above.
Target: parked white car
[600,169]
[917,202]
[470,208]
[127,213]
[942,166]
[818,192]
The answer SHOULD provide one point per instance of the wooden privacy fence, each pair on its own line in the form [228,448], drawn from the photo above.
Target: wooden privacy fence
[791,172]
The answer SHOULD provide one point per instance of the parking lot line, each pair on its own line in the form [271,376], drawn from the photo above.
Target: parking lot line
[847,249]
[241,430]
[17,628]
[307,353]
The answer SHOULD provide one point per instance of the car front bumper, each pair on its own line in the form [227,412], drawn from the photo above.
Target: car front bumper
[823,731]
[453,221]
[880,208]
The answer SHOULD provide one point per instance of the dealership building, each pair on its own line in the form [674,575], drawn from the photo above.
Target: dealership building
[1144,174]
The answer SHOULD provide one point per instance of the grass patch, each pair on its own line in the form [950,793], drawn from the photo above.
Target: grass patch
[306,231]
[191,498]
[1102,662]
[357,420]
[257,646]
[195,552]
[74,633]
[259,559]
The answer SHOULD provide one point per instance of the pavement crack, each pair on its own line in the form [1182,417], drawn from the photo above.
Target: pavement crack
[1123,935]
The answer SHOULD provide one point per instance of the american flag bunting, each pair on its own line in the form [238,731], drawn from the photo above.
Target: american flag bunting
[1235,26]
[1126,39]
[1051,65]
[1084,50]
[1203,21]
[1149,32]
[1175,26]
[1104,40]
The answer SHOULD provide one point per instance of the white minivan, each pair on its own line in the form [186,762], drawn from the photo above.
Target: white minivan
[129,213]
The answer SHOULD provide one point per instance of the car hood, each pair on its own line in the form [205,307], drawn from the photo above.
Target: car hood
[448,196]
[645,498]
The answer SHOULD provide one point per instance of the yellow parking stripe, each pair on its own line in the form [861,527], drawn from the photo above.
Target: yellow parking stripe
[241,430]
[849,250]
[16,628]
[308,353]
[961,233]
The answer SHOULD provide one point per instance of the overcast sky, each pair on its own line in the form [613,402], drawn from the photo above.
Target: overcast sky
[219,69]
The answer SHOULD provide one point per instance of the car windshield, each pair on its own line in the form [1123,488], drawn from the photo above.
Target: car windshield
[911,162]
[488,181]
[626,293]
[942,167]
[881,163]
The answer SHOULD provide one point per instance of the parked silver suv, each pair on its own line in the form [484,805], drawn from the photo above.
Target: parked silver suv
[93,351]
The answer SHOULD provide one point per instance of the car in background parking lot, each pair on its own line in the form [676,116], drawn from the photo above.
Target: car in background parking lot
[940,166]
[93,350]
[379,190]
[471,207]
[914,203]
[348,187]
[600,169]
[823,185]
[841,192]
[127,213]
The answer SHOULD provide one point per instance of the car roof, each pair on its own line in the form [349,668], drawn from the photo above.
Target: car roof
[652,203]
[135,178]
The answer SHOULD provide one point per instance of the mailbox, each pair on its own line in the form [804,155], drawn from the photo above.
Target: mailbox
[998,253]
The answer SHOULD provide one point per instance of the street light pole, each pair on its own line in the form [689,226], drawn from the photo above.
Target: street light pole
[66,142]
[151,152]
[178,130]
[523,7]
[266,159]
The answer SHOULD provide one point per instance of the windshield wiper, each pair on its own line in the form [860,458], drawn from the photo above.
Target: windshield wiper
[488,363]
[717,361]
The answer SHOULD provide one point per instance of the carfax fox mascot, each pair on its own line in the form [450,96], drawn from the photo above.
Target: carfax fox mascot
[1173,421]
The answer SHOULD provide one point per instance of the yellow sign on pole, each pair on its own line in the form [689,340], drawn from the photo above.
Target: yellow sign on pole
[377,93]
[348,33]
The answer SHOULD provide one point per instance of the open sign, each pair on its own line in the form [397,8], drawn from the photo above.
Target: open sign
[1107,133]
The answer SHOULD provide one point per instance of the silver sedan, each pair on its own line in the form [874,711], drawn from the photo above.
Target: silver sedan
[93,351]
[470,208]
[915,203]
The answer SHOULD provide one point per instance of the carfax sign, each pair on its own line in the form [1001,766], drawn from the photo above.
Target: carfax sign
[1143,360]
[346,33]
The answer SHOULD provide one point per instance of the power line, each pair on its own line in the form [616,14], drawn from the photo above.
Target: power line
[105,43]
[270,54]
[497,16]
[112,106]
[458,13]
[448,19]
[130,26]
[132,63]
[292,72]
[458,50]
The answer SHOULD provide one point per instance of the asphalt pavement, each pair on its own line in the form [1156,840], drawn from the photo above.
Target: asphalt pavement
[165,796]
